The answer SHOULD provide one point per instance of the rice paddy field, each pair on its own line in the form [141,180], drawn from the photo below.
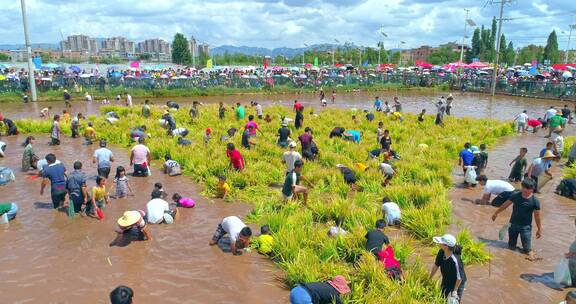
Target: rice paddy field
[303,249]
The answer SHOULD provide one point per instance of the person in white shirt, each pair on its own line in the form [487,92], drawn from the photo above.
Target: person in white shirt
[2,148]
[391,212]
[128,100]
[259,111]
[551,112]
[521,121]
[559,144]
[158,210]
[501,189]
[238,232]
[337,230]
[183,132]
[289,157]
[388,172]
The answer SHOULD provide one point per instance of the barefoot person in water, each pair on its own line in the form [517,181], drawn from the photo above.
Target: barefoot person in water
[525,205]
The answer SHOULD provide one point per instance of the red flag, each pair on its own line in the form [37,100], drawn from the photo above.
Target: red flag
[135,64]
[266,63]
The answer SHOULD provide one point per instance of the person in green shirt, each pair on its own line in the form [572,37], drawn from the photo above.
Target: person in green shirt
[239,111]
[556,124]
[292,183]
[10,209]
[146,109]
[265,241]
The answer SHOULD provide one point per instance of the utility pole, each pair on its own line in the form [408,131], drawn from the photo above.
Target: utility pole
[566,57]
[29,52]
[303,54]
[334,52]
[464,36]
[381,44]
[496,62]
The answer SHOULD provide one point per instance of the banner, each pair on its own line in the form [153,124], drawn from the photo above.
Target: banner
[135,64]
[37,62]
[315,61]
[209,63]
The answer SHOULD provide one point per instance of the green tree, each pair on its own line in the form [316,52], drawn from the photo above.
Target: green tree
[551,51]
[510,54]
[145,56]
[180,51]
[502,50]
[529,53]
[442,56]
[476,44]
[492,44]
[4,57]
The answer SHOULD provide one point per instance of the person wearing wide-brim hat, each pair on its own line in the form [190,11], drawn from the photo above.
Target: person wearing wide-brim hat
[541,165]
[132,225]
[320,292]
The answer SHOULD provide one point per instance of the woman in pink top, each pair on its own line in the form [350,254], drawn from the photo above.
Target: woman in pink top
[140,158]
[185,202]
[254,125]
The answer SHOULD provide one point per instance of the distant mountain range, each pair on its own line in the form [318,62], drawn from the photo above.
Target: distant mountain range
[34,46]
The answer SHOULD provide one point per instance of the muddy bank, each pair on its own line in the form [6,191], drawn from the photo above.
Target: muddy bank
[49,258]
[509,278]
[466,105]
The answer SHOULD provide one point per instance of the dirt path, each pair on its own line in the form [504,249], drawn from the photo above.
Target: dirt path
[509,278]
[49,258]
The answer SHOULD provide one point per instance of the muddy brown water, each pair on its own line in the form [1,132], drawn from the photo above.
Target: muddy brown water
[509,277]
[468,104]
[48,258]
[52,259]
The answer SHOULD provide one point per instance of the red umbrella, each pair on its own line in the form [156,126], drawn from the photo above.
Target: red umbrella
[423,64]
[478,65]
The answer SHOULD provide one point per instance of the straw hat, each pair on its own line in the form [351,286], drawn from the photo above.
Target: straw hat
[129,218]
[339,166]
[340,284]
[549,154]
[292,144]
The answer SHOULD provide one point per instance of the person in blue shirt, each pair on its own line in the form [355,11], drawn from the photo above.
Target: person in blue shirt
[377,104]
[55,174]
[466,157]
[352,135]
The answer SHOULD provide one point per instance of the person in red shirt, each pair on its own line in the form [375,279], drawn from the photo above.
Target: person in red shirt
[236,159]
[297,106]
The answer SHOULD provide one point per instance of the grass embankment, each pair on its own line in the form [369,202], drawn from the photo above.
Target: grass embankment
[303,249]
[56,95]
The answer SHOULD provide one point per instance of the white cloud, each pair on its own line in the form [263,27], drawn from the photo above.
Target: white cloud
[270,23]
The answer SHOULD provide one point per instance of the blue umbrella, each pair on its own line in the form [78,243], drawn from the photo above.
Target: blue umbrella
[49,66]
[75,69]
[116,74]
[3,66]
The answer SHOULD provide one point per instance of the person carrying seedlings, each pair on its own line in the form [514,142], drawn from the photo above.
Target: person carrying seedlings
[99,196]
[121,295]
[75,125]
[284,135]
[246,143]
[140,158]
[375,238]
[265,242]
[386,141]
[388,172]
[239,111]
[236,159]
[76,187]
[520,164]
[501,189]
[306,141]
[451,267]
[171,167]
[104,158]
[55,173]
[292,186]
[337,229]
[290,157]
[146,109]
[349,177]
[121,187]
[158,210]
[184,202]
[525,206]
[391,212]
[221,111]
[55,131]
[238,232]
[540,165]
[132,226]
[320,292]
[465,157]
[222,189]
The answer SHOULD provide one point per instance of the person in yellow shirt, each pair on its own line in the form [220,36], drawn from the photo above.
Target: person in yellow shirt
[90,134]
[65,116]
[265,242]
[223,187]
[99,196]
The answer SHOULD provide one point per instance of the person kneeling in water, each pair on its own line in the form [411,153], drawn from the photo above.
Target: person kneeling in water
[132,226]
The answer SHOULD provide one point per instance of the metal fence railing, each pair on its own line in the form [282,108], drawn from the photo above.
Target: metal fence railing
[532,88]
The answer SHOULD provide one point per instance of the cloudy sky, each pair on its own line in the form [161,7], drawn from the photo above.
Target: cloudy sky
[291,23]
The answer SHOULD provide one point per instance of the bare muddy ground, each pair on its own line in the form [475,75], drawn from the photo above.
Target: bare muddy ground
[509,277]
[49,258]
[469,104]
